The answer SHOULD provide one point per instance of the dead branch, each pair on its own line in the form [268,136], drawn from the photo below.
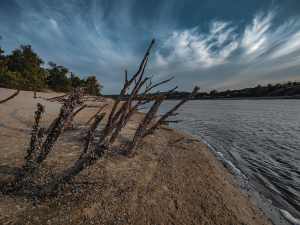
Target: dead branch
[34,146]
[193,140]
[126,85]
[76,168]
[165,128]
[96,114]
[170,113]
[176,141]
[14,95]
[57,98]
[89,137]
[143,125]
[142,132]
[78,110]
[66,114]
[35,133]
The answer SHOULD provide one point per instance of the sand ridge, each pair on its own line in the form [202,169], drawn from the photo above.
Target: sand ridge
[167,182]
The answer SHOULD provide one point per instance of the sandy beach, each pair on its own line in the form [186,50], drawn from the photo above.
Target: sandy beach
[167,182]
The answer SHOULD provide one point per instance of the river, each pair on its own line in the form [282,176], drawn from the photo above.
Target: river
[260,139]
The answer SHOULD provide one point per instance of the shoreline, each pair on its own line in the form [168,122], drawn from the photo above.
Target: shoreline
[166,182]
[274,214]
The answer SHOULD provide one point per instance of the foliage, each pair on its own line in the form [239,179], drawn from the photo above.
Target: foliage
[23,69]
[75,81]
[10,79]
[57,78]
[92,85]
[27,63]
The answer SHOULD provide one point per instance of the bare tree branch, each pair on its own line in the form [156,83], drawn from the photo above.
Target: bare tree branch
[89,136]
[126,85]
[143,125]
[78,110]
[170,113]
[66,113]
[96,114]
[35,131]
[72,171]
[14,95]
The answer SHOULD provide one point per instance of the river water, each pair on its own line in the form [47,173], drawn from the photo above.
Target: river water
[259,138]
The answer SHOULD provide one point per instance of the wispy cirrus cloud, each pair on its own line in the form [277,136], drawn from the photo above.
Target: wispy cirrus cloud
[252,55]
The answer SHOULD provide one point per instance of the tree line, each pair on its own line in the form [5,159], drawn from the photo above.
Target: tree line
[22,69]
[289,88]
[285,89]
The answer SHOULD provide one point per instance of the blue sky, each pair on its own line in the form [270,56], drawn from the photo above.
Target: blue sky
[213,44]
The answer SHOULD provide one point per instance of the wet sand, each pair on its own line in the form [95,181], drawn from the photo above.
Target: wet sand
[167,182]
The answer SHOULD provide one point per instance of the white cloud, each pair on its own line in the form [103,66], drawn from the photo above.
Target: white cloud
[160,60]
[225,52]
[194,49]
[290,46]
[256,35]
[223,37]
[217,26]
[54,26]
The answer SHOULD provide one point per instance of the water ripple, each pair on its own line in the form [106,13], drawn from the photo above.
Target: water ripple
[261,138]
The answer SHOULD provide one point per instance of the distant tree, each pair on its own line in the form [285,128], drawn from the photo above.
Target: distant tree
[92,85]
[213,92]
[295,83]
[257,90]
[26,62]
[270,87]
[8,78]
[24,59]
[75,81]
[278,86]
[57,77]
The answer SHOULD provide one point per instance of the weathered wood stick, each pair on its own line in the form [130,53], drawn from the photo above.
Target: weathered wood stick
[176,141]
[89,137]
[96,114]
[14,95]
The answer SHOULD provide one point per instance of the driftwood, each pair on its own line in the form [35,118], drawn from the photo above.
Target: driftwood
[64,117]
[34,146]
[35,133]
[66,114]
[14,95]
[173,142]
[90,134]
[117,119]
[96,114]
[77,111]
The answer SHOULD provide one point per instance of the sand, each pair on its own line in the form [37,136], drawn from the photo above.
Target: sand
[165,183]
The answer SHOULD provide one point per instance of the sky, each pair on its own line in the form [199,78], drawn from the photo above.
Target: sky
[214,44]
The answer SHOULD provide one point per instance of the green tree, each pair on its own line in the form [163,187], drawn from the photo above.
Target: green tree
[75,81]
[8,78]
[92,85]
[213,93]
[26,62]
[258,90]
[57,77]
[24,59]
